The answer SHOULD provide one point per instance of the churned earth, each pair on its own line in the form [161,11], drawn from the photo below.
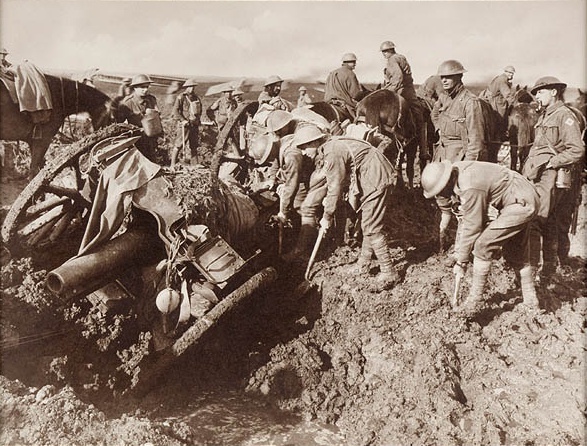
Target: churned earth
[342,364]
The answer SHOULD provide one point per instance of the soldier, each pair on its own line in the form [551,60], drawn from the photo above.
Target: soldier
[368,174]
[342,87]
[271,94]
[6,67]
[187,109]
[223,106]
[500,95]
[458,118]
[556,153]
[125,89]
[470,187]
[238,96]
[398,78]
[139,108]
[304,99]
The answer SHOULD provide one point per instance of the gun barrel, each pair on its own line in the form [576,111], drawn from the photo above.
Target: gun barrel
[87,273]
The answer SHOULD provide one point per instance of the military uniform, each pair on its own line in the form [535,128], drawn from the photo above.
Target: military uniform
[342,86]
[188,110]
[222,108]
[558,142]
[355,165]
[431,90]
[500,94]
[458,117]
[479,185]
[304,100]
[132,109]
[398,77]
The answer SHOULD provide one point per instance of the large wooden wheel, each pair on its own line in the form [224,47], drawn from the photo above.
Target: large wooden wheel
[54,206]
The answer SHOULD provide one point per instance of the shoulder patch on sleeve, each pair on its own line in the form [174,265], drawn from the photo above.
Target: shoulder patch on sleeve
[569,121]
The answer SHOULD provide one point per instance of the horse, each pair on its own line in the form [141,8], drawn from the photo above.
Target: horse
[522,117]
[388,111]
[68,97]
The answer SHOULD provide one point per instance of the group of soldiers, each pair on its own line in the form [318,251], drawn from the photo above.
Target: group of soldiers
[318,173]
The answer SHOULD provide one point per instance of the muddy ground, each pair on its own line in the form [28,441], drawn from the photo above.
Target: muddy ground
[396,367]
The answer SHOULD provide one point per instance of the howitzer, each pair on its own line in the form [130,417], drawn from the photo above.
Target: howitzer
[89,272]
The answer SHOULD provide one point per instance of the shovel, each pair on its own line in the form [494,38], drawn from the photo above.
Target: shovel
[457,291]
[321,234]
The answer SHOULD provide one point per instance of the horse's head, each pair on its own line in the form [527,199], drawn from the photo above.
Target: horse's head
[522,95]
[103,115]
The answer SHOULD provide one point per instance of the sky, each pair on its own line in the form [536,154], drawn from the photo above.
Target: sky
[299,39]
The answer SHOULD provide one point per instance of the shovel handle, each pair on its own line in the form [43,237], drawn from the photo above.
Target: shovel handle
[321,233]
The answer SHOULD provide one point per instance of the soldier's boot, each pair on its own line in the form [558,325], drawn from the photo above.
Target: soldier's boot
[173,156]
[547,271]
[528,288]
[387,276]
[363,265]
[305,241]
[474,301]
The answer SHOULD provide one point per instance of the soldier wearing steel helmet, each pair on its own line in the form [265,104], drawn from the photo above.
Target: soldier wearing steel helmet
[311,190]
[187,110]
[458,119]
[304,98]
[271,94]
[397,72]
[342,87]
[124,88]
[223,106]
[470,188]
[135,107]
[500,95]
[555,156]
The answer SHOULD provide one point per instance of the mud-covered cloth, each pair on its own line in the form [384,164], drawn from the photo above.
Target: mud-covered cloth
[342,85]
[113,196]
[398,77]
[479,185]
[558,143]
[367,173]
[458,117]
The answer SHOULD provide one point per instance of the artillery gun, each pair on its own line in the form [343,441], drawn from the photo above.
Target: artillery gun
[181,247]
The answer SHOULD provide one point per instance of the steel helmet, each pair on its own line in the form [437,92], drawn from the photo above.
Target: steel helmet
[227,88]
[262,147]
[548,82]
[190,83]
[349,57]
[272,80]
[127,80]
[307,133]
[3,51]
[435,178]
[509,69]
[302,88]
[387,45]
[278,119]
[140,79]
[450,67]
[238,92]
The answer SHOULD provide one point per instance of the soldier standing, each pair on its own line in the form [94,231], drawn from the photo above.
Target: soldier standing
[458,119]
[471,186]
[271,94]
[187,109]
[304,99]
[223,106]
[553,160]
[138,106]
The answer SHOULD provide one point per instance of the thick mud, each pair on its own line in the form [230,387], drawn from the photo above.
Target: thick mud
[342,364]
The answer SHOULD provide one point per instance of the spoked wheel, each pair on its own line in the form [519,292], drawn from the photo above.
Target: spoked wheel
[230,154]
[53,208]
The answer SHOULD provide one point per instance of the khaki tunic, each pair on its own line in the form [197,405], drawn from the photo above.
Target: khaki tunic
[459,119]
[398,77]
[500,94]
[342,84]
[479,185]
